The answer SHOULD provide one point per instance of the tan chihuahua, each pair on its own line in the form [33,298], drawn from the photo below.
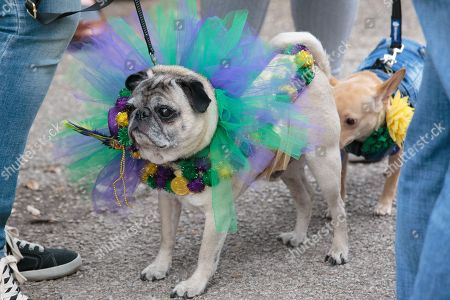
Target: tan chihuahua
[362,100]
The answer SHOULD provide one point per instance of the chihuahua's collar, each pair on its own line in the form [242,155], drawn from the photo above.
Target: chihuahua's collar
[390,132]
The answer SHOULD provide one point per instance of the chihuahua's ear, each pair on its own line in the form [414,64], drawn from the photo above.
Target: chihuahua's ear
[195,92]
[134,79]
[389,87]
[333,81]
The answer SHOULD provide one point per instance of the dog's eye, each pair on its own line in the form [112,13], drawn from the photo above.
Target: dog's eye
[350,121]
[165,113]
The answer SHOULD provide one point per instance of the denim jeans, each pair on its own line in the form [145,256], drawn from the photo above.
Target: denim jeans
[29,55]
[423,206]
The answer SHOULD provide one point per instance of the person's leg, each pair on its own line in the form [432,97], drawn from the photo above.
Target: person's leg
[421,182]
[422,244]
[257,10]
[331,21]
[29,54]
[433,276]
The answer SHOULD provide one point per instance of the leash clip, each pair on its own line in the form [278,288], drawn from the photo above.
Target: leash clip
[390,59]
[31,8]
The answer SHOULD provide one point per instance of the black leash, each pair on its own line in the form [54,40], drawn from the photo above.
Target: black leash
[141,17]
[47,18]
[396,24]
[385,63]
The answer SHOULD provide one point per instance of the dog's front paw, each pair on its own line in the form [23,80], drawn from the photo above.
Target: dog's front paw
[383,209]
[155,271]
[337,256]
[189,288]
[291,239]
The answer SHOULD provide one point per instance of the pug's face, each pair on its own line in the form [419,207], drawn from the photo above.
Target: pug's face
[174,113]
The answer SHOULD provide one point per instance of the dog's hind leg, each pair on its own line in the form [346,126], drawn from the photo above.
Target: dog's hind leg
[327,171]
[295,180]
[208,260]
[169,209]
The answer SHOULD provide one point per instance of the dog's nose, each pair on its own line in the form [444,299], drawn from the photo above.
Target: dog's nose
[142,114]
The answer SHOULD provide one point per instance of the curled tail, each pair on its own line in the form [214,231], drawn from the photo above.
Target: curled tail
[286,39]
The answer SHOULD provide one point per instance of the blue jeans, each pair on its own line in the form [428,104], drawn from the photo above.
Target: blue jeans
[29,55]
[423,208]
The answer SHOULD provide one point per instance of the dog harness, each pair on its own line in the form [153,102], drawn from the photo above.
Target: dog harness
[389,56]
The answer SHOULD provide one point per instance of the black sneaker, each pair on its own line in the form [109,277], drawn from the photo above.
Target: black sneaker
[37,263]
[9,289]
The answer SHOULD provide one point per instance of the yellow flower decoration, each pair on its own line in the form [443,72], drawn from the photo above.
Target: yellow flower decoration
[398,117]
[149,170]
[122,119]
[304,59]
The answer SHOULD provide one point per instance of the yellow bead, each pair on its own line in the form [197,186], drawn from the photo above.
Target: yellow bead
[304,59]
[149,170]
[122,119]
[179,186]
[136,155]
[225,171]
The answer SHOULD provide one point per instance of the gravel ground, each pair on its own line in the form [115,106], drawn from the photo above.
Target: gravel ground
[254,264]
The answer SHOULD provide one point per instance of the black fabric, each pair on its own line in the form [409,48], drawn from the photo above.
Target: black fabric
[33,259]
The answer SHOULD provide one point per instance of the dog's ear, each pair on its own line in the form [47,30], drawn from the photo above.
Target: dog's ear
[389,87]
[134,79]
[195,92]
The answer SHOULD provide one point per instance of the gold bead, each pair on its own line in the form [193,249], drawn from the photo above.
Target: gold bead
[136,155]
[122,119]
[304,59]
[179,186]
[149,170]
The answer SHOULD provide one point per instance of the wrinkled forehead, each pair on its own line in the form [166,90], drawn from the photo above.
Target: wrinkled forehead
[161,85]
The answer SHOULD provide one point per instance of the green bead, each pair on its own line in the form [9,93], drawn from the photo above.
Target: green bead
[190,172]
[151,182]
[125,92]
[308,75]
[168,188]
[185,163]
[123,137]
[206,178]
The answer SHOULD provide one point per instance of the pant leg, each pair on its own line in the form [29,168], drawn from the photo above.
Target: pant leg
[434,18]
[256,8]
[29,55]
[422,181]
[433,276]
[331,21]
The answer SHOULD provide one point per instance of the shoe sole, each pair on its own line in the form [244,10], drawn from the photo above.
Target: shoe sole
[54,272]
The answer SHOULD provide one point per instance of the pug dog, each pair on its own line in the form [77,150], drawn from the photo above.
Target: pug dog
[175,115]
